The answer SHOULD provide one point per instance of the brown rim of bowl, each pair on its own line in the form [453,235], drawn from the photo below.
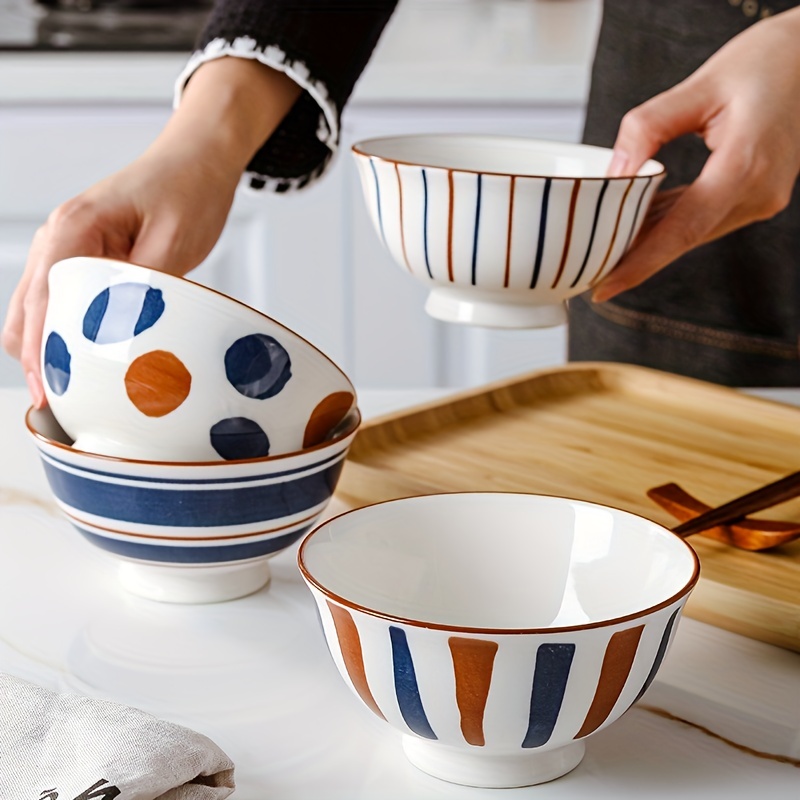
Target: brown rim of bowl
[357,149]
[684,591]
[349,431]
[182,279]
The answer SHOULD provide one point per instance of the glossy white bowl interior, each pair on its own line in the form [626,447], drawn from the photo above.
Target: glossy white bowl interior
[498,561]
[498,155]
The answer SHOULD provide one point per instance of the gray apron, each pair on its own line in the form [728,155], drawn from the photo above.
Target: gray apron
[729,311]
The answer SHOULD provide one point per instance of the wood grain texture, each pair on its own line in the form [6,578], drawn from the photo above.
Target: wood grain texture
[607,433]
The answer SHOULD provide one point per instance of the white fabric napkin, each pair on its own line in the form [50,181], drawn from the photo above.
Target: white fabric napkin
[68,747]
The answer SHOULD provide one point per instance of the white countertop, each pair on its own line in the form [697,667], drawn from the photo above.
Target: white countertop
[432,51]
[721,720]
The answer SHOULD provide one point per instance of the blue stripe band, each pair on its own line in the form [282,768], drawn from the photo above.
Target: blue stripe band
[542,228]
[591,237]
[405,685]
[553,662]
[176,554]
[662,649]
[475,235]
[187,508]
[378,199]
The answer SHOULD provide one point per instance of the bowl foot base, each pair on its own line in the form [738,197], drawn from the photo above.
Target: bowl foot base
[492,309]
[498,771]
[170,584]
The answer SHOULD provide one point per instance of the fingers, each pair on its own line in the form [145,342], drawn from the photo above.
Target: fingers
[683,220]
[646,128]
[68,232]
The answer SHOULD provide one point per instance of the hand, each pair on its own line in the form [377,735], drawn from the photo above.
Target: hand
[165,210]
[743,102]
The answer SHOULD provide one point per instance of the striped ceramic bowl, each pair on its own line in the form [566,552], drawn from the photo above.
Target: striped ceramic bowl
[502,229]
[497,631]
[191,532]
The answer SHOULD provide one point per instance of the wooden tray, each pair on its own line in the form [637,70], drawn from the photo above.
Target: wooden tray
[607,433]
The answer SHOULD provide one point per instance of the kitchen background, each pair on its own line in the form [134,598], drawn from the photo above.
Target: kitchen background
[85,85]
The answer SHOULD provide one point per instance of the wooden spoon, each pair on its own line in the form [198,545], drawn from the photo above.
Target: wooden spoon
[728,523]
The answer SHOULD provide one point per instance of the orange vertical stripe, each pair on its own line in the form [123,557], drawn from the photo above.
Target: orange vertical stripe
[473,661]
[508,237]
[402,229]
[573,201]
[613,235]
[450,226]
[617,664]
[350,644]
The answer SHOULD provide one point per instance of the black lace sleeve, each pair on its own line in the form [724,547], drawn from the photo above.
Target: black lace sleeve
[323,45]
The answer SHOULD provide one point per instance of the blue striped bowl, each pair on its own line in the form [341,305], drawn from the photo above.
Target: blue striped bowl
[503,230]
[191,531]
[497,631]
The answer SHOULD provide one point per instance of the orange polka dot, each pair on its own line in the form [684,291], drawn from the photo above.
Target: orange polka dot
[327,415]
[157,383]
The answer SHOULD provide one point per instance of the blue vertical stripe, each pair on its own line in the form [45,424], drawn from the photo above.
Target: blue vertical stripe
[405,685]
[542,226]
[662,649]
[475,236]
[378,199]
[553,662]
[636,214]
[591,237]
[425,220]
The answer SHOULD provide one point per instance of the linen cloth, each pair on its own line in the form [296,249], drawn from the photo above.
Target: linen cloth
[68,747]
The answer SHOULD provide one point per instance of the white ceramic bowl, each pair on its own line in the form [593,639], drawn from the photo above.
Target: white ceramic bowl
[186,532]
[141,364]
[497,631]
[503,230]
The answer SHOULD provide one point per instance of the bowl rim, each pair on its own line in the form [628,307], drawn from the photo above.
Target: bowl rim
[350,430]
[180,279]
[418,623]
[359,149]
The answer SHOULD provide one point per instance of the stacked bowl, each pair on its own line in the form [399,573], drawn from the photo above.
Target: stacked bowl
[187,435]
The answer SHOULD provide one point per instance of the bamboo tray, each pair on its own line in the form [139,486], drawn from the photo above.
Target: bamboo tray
[607,433]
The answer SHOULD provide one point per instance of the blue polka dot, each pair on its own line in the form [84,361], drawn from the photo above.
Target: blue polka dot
[121,312]
[257,366]
[239,437]
[57,363]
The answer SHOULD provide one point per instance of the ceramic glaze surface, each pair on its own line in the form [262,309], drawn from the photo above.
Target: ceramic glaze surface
[141,364]
[184,531]
[552,562]
[504,230]
[496,668]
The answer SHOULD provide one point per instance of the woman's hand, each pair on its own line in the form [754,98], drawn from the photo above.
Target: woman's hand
[165,210]
[744,103]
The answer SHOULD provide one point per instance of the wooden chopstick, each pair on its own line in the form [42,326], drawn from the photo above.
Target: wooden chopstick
[770,495]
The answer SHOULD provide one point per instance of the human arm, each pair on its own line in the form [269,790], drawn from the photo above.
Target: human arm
[252,99]
[164,210]
[743,103]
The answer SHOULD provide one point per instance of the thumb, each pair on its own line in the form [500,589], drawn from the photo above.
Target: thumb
[646,128]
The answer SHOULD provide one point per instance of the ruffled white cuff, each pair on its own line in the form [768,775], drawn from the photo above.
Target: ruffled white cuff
[272,56]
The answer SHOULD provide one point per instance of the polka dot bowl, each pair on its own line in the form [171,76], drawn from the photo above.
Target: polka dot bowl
[497,631]
[141,364]
[190,532]
[501,230]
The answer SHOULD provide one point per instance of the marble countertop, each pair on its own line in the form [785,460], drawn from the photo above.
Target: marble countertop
[722,719]
[432,51]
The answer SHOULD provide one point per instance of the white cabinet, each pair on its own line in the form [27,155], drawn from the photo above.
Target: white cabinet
[310,259]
